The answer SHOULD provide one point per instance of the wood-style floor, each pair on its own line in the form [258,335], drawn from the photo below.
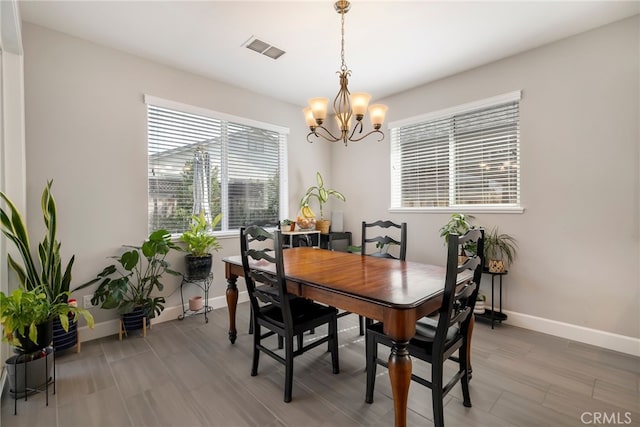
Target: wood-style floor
[186,373]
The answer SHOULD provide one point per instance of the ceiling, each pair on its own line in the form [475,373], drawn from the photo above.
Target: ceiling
[390,46]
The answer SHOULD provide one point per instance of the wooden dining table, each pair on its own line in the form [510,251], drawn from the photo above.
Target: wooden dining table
[397,293]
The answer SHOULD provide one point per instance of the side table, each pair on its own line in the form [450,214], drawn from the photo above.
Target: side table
[493,315]
[292,239]
[204,285]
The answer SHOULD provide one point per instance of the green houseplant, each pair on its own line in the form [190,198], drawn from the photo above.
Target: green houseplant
[459,224]
[200,241]
[27,318]
[322,195]
[50,279]
[128,284]
[500,250]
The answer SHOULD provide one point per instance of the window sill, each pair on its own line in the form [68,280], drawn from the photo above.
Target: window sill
[461,209]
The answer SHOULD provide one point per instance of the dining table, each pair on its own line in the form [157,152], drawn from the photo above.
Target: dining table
[397,293]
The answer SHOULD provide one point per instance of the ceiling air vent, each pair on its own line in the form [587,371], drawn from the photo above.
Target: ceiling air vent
[264,48]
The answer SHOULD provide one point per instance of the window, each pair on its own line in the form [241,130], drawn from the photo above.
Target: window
[465,157]
[203,160]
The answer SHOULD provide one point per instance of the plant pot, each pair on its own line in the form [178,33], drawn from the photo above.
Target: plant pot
[196,303]
[198,267]
[64,340]
[496,266]
[38,371]
[45,337]
[323,225]
[134,320]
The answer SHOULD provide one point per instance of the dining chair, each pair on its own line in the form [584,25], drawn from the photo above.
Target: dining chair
[384,239]
[439,339]
[385,236]
[275,309]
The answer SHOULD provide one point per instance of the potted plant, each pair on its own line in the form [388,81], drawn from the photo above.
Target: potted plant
[322,195]
[288,225]
[200,241]
[51,278]
[128,284]
[459,224]
[500,250]
[27,324]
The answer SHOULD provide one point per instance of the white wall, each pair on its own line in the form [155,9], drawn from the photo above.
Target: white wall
[86,130]
[579,126]
[578,237]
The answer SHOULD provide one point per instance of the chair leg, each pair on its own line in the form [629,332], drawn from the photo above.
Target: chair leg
[288,381]
[437,395]
[250,320]
[361,323]
[333,342]
[300,341]
[256,351]
[280,342]
[371,356]
[464,367]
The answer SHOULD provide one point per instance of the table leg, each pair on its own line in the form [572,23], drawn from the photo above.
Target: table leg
[232,303]
[400,376]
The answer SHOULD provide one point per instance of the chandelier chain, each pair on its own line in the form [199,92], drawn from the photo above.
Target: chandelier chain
[344,65]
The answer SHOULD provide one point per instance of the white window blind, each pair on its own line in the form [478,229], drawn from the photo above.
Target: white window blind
[468,156]
[200,162]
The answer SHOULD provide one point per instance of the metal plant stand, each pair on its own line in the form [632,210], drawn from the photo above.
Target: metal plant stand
[204,285]
[29,388]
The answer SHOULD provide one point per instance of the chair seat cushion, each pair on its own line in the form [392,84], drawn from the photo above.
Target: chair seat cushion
[302,311]
[425,333]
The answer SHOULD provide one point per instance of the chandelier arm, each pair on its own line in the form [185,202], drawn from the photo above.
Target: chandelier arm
[357,128]
[328,137]
[367,134]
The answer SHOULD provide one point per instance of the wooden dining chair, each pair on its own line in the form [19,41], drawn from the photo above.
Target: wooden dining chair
[439,339]
[384,239]
[276,310]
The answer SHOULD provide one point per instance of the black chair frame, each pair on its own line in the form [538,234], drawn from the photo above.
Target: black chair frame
[275,309]
[437,340]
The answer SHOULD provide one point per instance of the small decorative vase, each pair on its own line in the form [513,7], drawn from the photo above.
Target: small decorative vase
[496,266]
[196,303]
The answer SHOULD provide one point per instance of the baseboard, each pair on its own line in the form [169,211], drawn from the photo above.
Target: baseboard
[608,340]
[110,327]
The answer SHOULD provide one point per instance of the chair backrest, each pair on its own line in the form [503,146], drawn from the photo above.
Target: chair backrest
[377,242]
[262,262]
[458,303]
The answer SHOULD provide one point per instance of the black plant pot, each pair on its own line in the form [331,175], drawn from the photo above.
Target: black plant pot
[44,339]
[64,340]
[198,267]
[137,319]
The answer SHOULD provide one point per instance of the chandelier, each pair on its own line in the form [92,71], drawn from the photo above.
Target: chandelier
[345,106]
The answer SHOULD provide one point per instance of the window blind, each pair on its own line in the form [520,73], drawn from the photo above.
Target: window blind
[466,158]
[197,162]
